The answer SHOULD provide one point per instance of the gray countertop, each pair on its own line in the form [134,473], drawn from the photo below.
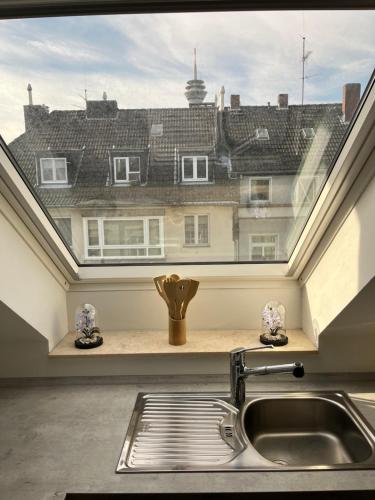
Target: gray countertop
[66,436]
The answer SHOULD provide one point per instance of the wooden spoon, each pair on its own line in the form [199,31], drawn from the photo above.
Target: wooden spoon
[191,291]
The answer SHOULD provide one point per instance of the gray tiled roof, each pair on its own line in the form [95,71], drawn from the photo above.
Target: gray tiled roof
[90,139]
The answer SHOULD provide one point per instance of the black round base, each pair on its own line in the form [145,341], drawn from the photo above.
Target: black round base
[276,340]
[88,345]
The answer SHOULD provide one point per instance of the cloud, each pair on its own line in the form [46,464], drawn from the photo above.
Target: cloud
[145,60]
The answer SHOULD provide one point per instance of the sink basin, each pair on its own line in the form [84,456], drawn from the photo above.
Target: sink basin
[272,431]
[304,431]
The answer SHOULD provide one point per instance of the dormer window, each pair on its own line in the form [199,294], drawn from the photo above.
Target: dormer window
[308,133]
[156,130]
[53,171]
[194,168]
[126,169]
[262,134]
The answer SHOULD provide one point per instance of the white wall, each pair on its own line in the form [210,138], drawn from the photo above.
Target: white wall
[30,284]
[344,269]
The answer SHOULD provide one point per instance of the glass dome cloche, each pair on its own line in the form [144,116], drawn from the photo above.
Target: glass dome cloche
[273,324]
[87,331]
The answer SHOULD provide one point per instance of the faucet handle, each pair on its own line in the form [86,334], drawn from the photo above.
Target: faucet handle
[240,350]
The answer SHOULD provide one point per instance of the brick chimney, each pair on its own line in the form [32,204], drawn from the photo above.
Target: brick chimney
[282,101]
[101,109]
[351,94]
[235,101]
[35,115]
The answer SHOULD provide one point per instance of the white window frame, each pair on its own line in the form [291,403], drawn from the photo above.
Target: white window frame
[54,181]
[196,228]
[127,158]
[101,245]
[276,244]
[195,178]
[269,200]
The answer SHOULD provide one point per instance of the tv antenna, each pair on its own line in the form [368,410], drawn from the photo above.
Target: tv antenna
[305,56]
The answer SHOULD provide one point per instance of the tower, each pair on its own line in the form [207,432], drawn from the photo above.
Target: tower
[195,89]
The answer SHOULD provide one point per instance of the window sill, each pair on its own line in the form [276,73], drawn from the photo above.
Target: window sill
[129,343]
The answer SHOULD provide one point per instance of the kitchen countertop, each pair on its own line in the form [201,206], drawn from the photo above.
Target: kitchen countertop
[59,436]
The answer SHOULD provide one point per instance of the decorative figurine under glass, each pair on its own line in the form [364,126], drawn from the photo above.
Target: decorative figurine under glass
[273,324]
[88,334]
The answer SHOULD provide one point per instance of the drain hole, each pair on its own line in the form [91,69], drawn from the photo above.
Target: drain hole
[280,462]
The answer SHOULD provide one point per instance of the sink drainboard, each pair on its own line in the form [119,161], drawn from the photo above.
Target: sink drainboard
[181,432]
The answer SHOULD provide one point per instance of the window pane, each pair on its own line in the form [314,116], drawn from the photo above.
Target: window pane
[154,236]
[123,232]
[143,146]
[260,189]
[189,230]
[201,168]
[188,168]
[202,229]
[93,232]
[47,172]
[120,166]
[61,173]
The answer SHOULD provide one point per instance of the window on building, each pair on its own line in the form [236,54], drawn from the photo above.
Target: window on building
[308,133]
[64,225]
[127,169]
[156,130]
[260,189]
[263,247]
[305,190]
[124,238]
[53,171]
[194,168]
[196,230]
[262,134]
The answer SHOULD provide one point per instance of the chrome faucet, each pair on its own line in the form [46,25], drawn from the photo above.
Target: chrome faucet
[239,372]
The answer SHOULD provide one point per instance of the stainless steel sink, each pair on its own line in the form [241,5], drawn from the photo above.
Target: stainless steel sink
[272,431]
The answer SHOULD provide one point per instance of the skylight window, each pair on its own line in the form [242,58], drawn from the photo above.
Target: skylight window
[157,164]
[262,134]
[308,133]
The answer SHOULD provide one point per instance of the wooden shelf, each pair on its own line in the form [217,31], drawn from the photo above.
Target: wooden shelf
[202,342]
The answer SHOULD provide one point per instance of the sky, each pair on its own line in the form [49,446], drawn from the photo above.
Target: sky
[144,61]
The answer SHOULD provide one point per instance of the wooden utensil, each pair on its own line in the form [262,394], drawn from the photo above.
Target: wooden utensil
[191,291]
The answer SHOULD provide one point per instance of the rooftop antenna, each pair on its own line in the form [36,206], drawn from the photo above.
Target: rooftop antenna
[305,56]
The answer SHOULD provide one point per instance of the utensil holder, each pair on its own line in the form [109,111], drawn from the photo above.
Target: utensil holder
[177,331]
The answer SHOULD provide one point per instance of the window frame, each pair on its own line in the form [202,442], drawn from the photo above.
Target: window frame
[348,176]
[127,166]
[101,246]
[251,236]
[54,181]
[256,178]
[196,231]
[195,159]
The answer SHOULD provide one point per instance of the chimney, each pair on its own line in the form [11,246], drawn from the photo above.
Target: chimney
[235,101]
[282,101]
[351,95]
[30,92]
[101,109]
